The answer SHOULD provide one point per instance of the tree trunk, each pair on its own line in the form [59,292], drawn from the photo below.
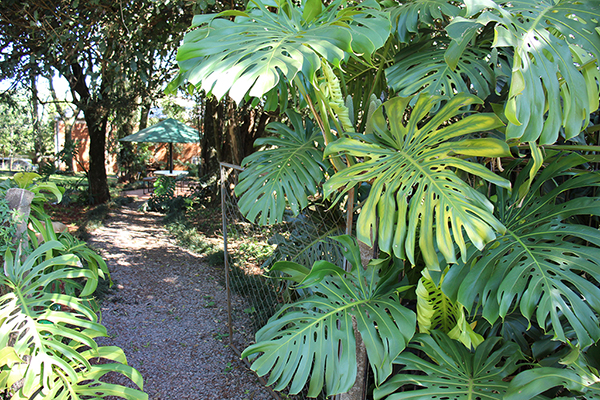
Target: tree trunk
[234,130]
[145,112]
[213,125]
[35,117]
[96,119]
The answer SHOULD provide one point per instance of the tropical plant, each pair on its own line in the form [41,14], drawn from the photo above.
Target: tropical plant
[420,106]
[43,191]
[324,322]
[8,227]
[163,194]
[43,231]
[47,338]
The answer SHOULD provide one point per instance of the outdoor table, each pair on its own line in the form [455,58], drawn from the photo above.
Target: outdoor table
[174,174]
[171,174]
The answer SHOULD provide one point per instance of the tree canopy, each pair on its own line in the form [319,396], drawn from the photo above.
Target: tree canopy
[115,56]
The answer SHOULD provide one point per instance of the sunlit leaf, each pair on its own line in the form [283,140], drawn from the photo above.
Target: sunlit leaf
[546,263]
[284,174]
[312,341]
[416,193]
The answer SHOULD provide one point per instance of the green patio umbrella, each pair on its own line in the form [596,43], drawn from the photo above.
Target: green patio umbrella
[167,131]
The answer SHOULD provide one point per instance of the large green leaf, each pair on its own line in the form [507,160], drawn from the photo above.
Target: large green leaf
[452,371]
[548,89]
[415,189]
[52,334]
[545,262]
[314,338]
[247,55]
[87,257]
[576,375]
[422,68]
[408,15]
[284,174]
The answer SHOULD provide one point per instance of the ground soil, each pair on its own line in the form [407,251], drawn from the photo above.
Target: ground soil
[167,311]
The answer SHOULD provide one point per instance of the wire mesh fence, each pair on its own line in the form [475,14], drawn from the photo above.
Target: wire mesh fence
[254,293]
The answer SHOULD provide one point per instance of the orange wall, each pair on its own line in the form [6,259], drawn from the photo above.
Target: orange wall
[183,152]
[82,159]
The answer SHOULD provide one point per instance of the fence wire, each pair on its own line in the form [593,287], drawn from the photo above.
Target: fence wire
[254,295]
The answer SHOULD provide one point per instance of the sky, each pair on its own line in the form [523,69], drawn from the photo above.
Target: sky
[60,85]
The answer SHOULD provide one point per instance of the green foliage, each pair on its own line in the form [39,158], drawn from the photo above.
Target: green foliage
[133,158]
[421,68]
[452,371]
[163,198]
[252,53]
[538,265]
[310,239]
[310,331]
[575,375]
[43,191]
[544,76]
[87,257]
[47,337]
[509,262]
[436,311]
[16,128]
[284,175]
[415,185]
[8,227]
[408,16]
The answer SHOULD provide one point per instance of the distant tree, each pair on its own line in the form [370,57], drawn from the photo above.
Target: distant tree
[116,57]
[15,128]
[19,133]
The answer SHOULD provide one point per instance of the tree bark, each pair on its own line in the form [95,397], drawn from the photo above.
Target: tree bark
[234,130]
[96,118]
[35,117]
[145,112]
[213,126]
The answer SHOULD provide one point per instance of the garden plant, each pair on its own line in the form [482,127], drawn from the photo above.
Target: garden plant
[466,127]
[48,316]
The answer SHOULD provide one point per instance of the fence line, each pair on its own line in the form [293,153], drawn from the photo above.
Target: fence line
[253,294]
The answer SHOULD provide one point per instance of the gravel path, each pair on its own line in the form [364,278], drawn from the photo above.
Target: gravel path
[167,311]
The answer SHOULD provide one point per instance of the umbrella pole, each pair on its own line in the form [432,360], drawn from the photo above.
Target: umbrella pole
[171,158]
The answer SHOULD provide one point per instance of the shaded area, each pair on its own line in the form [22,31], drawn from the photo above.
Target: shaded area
[167,310]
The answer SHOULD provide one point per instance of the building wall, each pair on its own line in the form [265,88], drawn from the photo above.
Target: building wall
[184,152]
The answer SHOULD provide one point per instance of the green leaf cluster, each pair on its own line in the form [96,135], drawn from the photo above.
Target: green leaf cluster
[47,337]
[456,136]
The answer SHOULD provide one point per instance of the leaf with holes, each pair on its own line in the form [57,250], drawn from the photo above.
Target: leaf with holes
[575,375]
[313,339]
[423,68]
[415,189]
[545,264]
[250,54]
[549,89]
[53,334]
[451,371]
[284,174]
[408,15]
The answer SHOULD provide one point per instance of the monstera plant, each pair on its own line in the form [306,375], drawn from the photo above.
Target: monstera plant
[458,133]
[48,337]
